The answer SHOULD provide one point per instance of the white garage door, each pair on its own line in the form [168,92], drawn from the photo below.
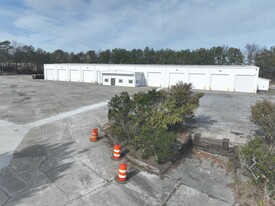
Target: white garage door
[175,78]
[62,75]
[154,79]
[197,80]
[245,83]
[220,82]
[75,75]
[50,74]
[88,76]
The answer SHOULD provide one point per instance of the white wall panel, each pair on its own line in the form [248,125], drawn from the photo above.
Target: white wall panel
[88,76]
[263,84]
[62,74]
[244,83]
[205,77]
[50,74]
[154,79]
[198,80]
[175,78]
[75,75]
[220,82]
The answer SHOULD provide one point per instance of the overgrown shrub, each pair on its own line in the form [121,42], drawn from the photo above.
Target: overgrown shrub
[257,158]
[120,115]
[144,120]
[263,114]
[157,142]
[258,161]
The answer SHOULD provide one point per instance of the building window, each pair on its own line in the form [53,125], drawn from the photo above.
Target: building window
[136,81]
[106,80]
[130,81]
[120,81]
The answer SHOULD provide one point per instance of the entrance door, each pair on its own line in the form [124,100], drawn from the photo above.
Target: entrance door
[113,81]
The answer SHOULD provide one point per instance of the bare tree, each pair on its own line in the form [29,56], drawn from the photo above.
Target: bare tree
[250,52]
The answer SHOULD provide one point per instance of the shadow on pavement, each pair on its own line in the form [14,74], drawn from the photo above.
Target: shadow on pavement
[33,167]
[132,173]
[201,121]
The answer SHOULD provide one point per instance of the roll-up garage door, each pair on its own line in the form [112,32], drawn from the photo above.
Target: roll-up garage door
[154,79]
[197,80]
[175,78]
[50,74]
[62,75]
[220,82]
[75,75]
[88,76]
[245,83]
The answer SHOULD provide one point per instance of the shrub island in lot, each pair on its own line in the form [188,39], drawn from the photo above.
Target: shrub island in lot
[147,120]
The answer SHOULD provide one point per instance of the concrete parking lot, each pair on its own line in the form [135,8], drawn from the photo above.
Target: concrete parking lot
[46,157]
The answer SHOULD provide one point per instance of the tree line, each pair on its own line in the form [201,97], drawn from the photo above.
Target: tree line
[17,56]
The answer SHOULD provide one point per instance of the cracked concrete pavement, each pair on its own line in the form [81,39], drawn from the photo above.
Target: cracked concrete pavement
[52,162]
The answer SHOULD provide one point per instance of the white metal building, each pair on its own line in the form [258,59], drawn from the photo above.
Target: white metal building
[263,84]
[210,77]
[122,78]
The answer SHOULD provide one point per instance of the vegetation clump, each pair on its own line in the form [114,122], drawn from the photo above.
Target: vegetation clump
[145,120]
[257,158]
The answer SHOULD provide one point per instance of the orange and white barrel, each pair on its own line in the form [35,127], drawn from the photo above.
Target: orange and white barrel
[122,173]
[94,135]
[117,149]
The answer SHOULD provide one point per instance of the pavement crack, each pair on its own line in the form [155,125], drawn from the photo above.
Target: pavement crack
[92,191]
[6,201]
[69,129]
[56,185]
[18,175]
[209,195]
[85,165]
[216,198]
[39,168]
[8,197]
[171,194]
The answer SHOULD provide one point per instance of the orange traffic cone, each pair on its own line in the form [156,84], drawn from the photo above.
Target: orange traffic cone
[122,173]
[116,155]
[94,135]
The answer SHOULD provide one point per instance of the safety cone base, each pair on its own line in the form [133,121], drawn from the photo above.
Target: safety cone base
[121,182]
[116,159]
[93,140]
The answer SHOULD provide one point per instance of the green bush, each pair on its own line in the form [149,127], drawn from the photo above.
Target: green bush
[144,119]
[119,115]
[158,142]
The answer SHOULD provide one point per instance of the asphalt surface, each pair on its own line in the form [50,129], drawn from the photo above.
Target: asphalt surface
[46,157]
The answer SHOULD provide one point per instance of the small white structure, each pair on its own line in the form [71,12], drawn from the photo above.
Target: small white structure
[122,78]
[263,84]
[203,77]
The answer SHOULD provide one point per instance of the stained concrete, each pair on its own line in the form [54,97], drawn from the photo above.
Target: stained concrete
[205,177]
[185,195]
[56,164]
[227,115]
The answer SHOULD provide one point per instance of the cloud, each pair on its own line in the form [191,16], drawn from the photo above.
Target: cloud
[81,25]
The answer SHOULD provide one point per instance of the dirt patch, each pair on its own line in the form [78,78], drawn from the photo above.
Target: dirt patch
[246,194]
[269,92]
[217,160]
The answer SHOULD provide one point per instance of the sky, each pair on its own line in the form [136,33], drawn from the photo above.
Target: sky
[82,25]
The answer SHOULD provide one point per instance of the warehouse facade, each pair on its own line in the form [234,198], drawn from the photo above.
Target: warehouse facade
[210,77]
